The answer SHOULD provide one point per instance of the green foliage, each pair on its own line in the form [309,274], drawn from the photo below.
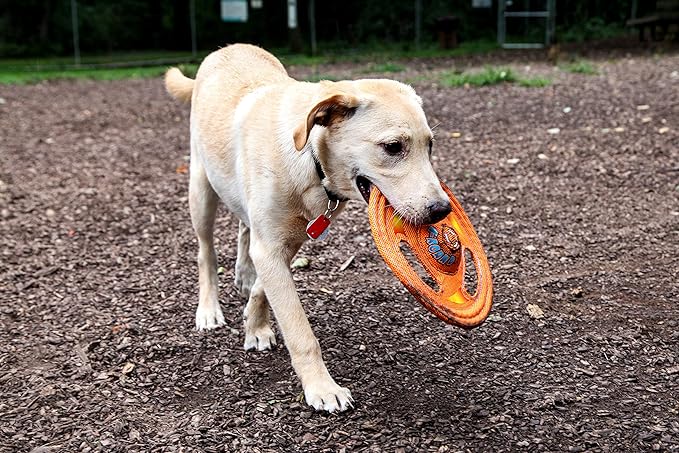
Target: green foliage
[382,55]
[534,82]
[43,27]
[490,76]
[590,29]
[580,67]
[386,67]
[319,77]
[24,77]
[31,70]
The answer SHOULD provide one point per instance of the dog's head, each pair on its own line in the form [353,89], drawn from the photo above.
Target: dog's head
[375,132]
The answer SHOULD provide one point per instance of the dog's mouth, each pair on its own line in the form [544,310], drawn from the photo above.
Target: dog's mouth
[364,186]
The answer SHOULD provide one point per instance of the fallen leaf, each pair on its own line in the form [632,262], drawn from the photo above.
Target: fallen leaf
[118,328]
[455,134]
[663,130]
[308,437]
[513,161]
[643,107]
[347,263]
[534,311]
[127,368]
[182,168]
[301,263]
[553,130]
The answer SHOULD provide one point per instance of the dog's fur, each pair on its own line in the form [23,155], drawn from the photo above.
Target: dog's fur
[253,132]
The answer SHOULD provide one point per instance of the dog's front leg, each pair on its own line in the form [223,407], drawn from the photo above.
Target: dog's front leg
[272,260]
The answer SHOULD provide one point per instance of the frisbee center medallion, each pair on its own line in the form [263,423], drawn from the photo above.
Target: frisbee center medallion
[443,246]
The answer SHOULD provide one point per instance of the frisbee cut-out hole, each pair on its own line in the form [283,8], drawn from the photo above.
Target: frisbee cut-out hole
[417,266]
[471,280]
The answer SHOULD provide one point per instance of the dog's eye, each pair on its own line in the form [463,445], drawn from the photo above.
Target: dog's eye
[393,148]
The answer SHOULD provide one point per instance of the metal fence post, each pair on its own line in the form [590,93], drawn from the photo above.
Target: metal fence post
[76,36]
[192,14]
[312,26]
[418,23]
[501,22]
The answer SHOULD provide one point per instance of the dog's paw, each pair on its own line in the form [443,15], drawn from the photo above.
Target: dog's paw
[209,318]
[261,339]
[328,396]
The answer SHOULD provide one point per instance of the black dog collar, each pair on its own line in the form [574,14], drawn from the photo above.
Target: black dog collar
[332,196]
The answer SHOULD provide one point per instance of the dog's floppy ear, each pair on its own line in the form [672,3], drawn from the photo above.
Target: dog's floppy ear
[324,113]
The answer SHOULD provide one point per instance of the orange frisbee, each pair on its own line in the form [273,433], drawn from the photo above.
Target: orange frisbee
[440,249]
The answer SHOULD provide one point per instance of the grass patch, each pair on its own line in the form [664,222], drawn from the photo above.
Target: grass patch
[490,76]
[61,63]
[382,54]
[386,67]
[534,82]
[422,78]
[581,67]
[153,63]
[318,77]
[24,77]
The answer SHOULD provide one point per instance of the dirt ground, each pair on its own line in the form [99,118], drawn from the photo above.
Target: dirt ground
[98,281]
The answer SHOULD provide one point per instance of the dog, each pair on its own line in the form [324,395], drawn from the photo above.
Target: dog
[279,153]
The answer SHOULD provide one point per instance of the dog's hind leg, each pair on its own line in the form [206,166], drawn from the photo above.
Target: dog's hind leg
[256,317]
[245,270]
[257,320]
[203,206]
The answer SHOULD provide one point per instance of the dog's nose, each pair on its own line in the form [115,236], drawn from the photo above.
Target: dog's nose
[437,211]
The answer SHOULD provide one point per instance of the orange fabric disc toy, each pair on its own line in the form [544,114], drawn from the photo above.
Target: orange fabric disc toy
[440,249]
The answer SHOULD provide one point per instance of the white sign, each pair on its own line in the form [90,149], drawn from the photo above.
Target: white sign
[234,10]
[256,4]
[292,14]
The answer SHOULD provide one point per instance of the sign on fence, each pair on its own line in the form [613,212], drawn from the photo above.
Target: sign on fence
[234,10]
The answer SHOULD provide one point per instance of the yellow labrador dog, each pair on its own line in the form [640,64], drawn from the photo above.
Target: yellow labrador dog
[280,153]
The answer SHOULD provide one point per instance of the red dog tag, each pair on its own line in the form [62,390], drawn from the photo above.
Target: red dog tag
[317,228]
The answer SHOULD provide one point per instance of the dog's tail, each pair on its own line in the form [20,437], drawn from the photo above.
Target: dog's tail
[178,85]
